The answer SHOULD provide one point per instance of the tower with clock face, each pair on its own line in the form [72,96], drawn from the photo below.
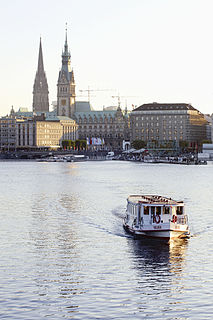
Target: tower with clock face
[40,88]
[66,86]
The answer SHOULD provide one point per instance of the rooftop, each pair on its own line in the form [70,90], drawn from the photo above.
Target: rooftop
[164,106]
[83,106]
[153,199]
[96,114]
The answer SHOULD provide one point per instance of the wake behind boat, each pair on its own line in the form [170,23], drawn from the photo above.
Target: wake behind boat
[156,216]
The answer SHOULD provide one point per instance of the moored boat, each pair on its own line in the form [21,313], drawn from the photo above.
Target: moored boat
[156,216]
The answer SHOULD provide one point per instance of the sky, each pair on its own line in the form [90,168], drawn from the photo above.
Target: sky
[142,50]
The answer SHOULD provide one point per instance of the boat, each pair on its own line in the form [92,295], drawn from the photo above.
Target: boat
[110,155]
[77,158]
[155,216]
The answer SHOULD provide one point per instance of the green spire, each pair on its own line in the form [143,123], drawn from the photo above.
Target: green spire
[66,52]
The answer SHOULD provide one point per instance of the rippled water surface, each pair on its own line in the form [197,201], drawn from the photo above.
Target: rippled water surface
[65,255]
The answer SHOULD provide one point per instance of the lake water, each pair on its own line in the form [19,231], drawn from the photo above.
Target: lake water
[65,255]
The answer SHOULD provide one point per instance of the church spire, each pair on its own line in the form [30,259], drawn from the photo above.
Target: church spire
[40,88]
[40,58]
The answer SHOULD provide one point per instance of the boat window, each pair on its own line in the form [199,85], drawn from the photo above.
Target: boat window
[179,210]
[166,210]
[133,210]
[139,210]
[152,211]
[158,210]
[145,210]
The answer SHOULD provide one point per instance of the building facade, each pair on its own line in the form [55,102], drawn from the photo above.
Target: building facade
[40,88]
[112,127]
[41,133]
[8,132]
[168,122]
[66,86]
[209,131]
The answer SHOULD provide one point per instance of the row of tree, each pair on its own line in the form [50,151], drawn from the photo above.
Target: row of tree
[170,144]
[74,145]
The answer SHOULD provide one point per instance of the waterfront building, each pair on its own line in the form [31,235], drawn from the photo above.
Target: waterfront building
[39,132]
[8,132]
[40,88]
[212,127]
[111,126]
[209,131]
[163,122]
[66,85]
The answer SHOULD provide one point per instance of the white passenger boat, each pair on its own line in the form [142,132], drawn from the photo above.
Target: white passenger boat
[155,216]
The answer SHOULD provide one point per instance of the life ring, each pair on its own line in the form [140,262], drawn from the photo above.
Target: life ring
[174,218]
[157,218]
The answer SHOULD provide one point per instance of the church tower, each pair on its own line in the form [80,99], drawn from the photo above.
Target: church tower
[40,88]
[66,86]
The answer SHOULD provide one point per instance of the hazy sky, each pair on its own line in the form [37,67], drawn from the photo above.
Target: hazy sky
[147,50]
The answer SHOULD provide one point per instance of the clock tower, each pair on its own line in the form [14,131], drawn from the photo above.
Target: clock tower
[66,86]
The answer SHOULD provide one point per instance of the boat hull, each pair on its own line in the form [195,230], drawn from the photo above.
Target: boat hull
[162,234]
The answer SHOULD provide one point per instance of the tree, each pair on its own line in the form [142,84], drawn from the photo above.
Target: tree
[138,144]
[65,144]
[68,144]
[183,145]
[83,144]
[80,144]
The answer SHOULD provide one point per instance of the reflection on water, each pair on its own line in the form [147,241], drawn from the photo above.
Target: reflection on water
[177,253]
[158,256]
[56,250]
[65,255]
[159,266]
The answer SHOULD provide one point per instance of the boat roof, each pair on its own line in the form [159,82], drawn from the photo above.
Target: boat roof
[153,199]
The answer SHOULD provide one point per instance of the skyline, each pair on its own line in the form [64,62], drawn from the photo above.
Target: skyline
[147,51]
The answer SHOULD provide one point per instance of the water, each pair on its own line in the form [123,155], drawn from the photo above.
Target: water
[65,255]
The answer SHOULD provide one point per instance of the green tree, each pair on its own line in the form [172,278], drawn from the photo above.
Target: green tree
[72,144]
[138,144]
[183,145]
[83,144]
[65,144]
[68,144]
[78,144]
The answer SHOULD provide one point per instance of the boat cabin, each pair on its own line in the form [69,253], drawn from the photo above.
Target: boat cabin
[151,209]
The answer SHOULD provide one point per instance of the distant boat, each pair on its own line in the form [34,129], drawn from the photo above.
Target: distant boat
[155,216]
[76,158]
[110,155]
[67,158]
[48,159]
